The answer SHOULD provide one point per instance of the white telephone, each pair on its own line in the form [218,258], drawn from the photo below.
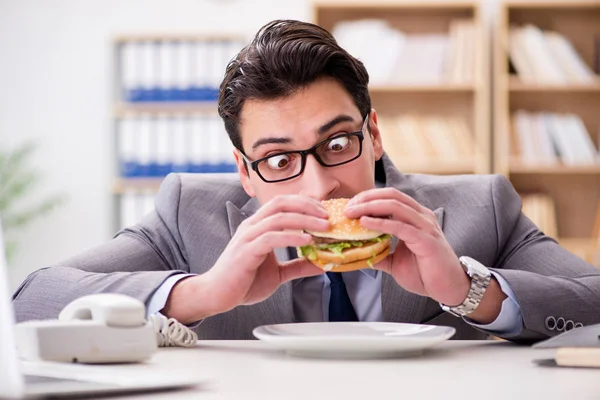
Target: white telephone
[100,328]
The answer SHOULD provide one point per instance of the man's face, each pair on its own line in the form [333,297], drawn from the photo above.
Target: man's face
[321,111]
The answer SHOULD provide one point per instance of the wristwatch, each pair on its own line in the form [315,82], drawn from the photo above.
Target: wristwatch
[480,280]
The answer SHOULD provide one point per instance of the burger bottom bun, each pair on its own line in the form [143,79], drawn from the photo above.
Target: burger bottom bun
[355,265]
[353,254]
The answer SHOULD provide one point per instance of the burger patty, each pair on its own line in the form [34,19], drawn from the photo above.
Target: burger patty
[322,240]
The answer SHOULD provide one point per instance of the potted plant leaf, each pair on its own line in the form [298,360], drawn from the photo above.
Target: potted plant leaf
[18,181]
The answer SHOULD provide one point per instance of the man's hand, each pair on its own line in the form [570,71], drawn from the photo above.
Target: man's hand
[423,262]
[247,271]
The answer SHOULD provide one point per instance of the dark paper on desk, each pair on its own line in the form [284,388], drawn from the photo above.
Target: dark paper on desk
[587,336]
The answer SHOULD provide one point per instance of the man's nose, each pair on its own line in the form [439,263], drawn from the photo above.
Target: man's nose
[318,182]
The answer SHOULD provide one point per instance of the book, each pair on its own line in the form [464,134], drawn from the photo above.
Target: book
[546,57]
[596,229]
[411,59]
[541,210]
[597,54]
[545,138]
[578,357]
[422,141]
[518,57]
[565,55]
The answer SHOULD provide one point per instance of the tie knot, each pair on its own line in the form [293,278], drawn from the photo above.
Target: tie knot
[335,277]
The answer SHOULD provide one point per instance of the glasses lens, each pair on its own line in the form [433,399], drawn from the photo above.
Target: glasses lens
[339,149]
[280,166]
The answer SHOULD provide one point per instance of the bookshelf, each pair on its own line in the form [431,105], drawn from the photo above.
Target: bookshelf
[421,100]
[165,114]
[546,119]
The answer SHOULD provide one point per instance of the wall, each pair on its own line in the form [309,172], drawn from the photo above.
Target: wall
[56,81]
[55,77]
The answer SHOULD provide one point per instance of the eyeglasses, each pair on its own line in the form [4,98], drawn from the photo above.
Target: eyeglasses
[337,150]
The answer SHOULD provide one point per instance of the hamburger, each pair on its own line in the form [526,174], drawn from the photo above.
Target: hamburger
[347,245]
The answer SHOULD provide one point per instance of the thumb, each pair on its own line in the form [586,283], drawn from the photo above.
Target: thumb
[297,268]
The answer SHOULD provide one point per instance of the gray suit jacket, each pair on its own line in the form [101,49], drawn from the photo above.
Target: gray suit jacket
[196,215]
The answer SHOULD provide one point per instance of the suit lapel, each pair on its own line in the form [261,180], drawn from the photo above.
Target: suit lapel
[398,304]
[279,306]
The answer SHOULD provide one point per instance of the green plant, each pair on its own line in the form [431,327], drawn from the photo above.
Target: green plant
[17,182]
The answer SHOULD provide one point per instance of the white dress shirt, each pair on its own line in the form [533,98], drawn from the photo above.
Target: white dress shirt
[311,300]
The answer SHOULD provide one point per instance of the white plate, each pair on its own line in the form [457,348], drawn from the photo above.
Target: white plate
[353,339]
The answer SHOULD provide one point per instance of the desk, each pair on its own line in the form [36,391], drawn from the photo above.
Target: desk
[452,370]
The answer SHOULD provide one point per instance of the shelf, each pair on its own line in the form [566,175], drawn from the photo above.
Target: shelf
[515,85]
[560,169]
[577,242]
[197,107]
[137,185]
[551,4]
[420,88]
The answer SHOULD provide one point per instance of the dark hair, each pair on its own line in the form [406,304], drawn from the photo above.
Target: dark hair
[283,57]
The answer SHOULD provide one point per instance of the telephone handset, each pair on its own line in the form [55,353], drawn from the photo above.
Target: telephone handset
[101,328]
[114,310]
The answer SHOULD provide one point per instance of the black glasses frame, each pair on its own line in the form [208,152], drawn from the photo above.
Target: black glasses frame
[313,150]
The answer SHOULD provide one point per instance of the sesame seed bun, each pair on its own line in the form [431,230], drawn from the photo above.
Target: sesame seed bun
[360,255]
[343,228]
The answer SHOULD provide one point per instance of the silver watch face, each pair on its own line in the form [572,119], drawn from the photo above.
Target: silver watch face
[473,266]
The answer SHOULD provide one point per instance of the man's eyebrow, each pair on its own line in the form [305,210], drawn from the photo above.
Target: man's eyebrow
[279,140]
[323,129]
[337,120]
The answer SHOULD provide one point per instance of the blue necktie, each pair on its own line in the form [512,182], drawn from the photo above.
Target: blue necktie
[340,306]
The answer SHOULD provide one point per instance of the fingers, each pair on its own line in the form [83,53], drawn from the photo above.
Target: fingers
[386,193]
[403,231]
[393,208]
[290,203]
[287,221]
[269,241]
[299,268]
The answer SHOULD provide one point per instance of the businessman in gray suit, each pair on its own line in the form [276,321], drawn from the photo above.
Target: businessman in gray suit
[217,251]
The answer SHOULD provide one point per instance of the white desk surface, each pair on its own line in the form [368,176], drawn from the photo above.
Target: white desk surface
[452,370]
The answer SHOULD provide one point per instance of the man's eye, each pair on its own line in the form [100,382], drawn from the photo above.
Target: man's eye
[278,162]
[338,144]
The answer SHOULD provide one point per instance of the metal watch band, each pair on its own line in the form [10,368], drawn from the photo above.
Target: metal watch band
[479,283]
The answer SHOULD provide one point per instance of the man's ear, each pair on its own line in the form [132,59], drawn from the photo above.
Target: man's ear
[375,135]
[243,171]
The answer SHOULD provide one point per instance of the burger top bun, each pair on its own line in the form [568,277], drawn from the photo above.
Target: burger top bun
[343,228]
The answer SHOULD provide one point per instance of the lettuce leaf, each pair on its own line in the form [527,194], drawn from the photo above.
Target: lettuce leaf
[309,251]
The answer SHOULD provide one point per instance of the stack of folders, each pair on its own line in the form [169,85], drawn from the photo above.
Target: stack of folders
[169,70]
[156,145]
[419,139]
[541,210]
[546,57]
[550,138]
[134,206]
[411,58]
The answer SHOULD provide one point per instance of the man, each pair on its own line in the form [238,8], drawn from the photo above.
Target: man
[216,250]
